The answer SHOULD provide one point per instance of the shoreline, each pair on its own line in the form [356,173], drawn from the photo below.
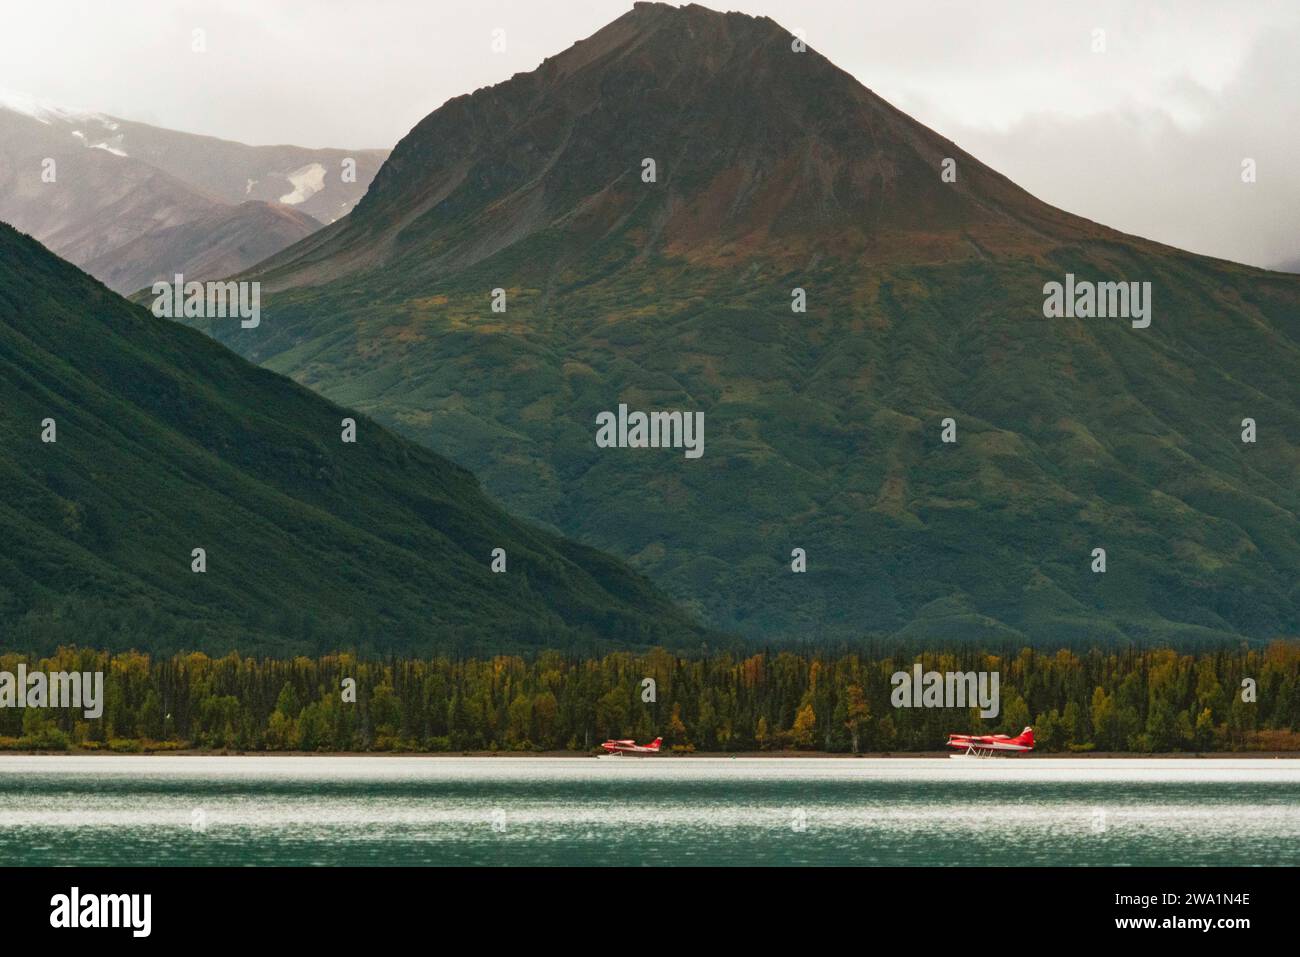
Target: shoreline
[762,755]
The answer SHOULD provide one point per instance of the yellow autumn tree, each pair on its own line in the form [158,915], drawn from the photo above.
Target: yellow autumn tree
[677,729]
[805,725]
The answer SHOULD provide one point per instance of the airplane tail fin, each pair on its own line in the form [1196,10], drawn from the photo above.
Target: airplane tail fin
[1027,737]
[655,743]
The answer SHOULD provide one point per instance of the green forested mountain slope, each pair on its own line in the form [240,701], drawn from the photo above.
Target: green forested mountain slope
[167,441]
[776,171]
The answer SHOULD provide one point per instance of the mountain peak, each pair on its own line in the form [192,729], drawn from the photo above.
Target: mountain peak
[685,132]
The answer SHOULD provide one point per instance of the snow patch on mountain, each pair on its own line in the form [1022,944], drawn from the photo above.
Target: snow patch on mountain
[307,182]
[45,112]
[116,150]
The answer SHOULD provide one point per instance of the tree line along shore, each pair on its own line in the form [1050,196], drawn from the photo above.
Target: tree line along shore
[1155,701]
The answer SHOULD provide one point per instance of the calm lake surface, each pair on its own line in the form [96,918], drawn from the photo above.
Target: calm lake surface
[147,810]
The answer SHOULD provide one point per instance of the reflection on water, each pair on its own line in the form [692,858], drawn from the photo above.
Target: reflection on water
[393,810]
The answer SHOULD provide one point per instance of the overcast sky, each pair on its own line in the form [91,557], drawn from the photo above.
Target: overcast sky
[1147,136]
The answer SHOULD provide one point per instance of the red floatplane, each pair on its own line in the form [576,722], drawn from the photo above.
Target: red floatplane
[987,745]
[630,748]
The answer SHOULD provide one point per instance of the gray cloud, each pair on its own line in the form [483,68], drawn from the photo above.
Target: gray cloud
[1145,173]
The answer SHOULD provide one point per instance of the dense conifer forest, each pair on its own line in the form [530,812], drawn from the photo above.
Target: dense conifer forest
[1155,700]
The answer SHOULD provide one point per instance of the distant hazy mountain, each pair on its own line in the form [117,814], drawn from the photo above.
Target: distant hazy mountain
[775,173]
[117,183]
[220,242]
[165,442]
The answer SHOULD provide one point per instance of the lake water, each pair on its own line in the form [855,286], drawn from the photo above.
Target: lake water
[151,810]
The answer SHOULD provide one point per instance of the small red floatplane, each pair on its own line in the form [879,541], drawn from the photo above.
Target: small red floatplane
[631,748]
[987,745]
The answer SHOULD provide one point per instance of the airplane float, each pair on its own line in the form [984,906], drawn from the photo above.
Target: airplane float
[987,745]
[614,749]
